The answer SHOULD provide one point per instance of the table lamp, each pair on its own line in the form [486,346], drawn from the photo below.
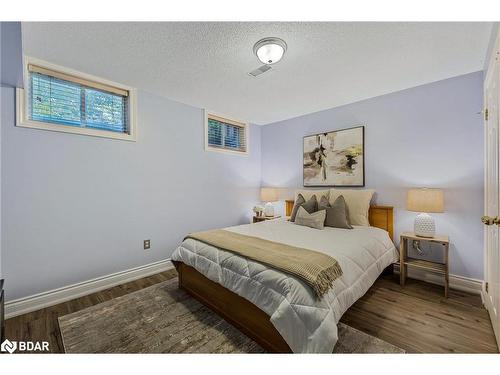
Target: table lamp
[269,195]
[425,201]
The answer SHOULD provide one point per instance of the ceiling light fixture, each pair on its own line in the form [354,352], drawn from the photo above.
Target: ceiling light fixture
[270,50]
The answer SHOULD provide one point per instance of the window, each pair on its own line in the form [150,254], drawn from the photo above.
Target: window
[73,103]
[225,135]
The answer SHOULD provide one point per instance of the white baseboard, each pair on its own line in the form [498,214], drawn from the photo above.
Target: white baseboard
[461,283]
[55,296]
[66,293]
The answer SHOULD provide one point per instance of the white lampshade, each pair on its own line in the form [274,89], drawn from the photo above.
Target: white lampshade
[425,200]
[269,194]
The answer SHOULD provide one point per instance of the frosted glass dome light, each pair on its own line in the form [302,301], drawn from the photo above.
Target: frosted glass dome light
[270,50]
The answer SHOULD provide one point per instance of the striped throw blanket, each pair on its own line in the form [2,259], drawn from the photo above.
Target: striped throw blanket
[316,269]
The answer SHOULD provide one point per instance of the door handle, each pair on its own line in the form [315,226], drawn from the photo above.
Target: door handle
[488,220]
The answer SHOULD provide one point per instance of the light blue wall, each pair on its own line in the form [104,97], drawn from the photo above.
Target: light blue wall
[11,54]
[11,75]
[430,135]
[78,207]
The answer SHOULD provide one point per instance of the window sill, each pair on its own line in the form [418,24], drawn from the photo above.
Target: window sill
[226,151]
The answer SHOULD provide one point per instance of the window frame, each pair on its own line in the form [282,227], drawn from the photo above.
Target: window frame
[22,100]
[209,114]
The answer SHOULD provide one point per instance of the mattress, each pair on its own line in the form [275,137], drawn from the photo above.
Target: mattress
[306,323]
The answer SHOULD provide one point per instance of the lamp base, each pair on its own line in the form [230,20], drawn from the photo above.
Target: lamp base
[269,209]
[424,225]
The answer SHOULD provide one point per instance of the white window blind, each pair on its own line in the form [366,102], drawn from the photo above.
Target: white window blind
[66,100]
[225,134]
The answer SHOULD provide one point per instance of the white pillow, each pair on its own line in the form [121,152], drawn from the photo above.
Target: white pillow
[308,194]
[357,202]
[315,220]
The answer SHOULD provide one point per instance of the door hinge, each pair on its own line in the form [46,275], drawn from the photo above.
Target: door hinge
[486,114]
[486,287]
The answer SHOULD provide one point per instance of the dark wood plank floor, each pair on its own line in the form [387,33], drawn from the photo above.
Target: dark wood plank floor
[416,318]
[42,325]
[419,319]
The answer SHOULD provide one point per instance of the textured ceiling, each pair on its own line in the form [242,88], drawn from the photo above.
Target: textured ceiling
[206,64]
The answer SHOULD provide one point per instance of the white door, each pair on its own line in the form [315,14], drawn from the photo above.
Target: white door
[491,290]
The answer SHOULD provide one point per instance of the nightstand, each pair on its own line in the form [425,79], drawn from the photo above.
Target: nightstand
[257,219]
[435,267]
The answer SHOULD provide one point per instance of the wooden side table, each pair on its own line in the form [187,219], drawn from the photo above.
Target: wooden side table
[257,219]
[436,267]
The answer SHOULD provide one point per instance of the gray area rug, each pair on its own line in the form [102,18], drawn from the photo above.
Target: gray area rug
[165,319]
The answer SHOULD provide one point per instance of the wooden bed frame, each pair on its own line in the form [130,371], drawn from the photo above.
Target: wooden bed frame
[243,314]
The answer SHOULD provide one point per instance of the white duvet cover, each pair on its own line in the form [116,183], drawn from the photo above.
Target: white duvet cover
[307,324]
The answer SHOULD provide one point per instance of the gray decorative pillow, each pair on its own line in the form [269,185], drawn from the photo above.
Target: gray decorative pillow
[336,214]
[298,202]
[310,206]
[315,220]
[323,204]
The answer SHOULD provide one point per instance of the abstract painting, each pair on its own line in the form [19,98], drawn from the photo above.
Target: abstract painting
[335,158]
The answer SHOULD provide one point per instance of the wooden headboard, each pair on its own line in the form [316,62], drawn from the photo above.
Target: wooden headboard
[378,216]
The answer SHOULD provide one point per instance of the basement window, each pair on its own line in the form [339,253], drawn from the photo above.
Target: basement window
[222,134]
[57,99]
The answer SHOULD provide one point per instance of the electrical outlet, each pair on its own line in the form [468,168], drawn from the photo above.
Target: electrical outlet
[147,244]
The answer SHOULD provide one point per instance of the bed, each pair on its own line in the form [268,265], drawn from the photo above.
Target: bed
[275,309]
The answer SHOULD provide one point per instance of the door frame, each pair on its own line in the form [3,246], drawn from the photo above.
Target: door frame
[494,59]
